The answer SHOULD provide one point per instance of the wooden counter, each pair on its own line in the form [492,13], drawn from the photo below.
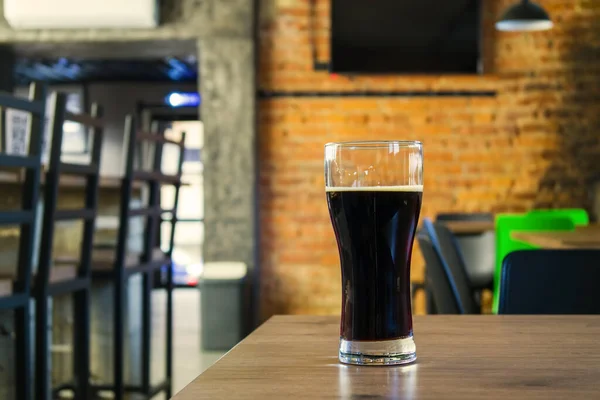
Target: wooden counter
[65,181]
[68,234]
[70,181]
[585,237]
[459,357]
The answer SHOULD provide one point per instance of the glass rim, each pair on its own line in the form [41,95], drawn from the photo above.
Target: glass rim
[376,143]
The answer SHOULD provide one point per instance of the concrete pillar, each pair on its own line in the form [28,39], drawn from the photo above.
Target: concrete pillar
[228,89]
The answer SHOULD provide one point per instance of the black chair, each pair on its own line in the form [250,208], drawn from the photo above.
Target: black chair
[15,290]
[478,250]
[61,277]
[449,287]
[117,266]
[451,254]
[550,282]
[437,278]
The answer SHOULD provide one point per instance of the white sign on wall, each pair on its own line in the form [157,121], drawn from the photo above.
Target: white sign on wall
[17,137]
[17,134]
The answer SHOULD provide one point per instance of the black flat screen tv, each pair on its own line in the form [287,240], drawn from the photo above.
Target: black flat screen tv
[406,36]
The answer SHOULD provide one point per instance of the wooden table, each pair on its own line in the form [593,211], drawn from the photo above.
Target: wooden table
[470,227]
[459,357]
[586,237]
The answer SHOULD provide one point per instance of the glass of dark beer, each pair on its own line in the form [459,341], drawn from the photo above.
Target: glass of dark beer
[374,192]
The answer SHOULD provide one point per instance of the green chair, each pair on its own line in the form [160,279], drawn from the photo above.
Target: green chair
[578,215]
[508,223]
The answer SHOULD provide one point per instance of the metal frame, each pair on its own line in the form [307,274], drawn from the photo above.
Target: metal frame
[78,287]
[148,266]
[18,301]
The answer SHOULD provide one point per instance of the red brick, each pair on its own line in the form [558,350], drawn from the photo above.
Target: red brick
[481,153]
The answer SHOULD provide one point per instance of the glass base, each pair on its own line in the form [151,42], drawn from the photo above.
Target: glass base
[385,352]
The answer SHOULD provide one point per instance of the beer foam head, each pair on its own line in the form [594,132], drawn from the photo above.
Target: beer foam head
[402,188]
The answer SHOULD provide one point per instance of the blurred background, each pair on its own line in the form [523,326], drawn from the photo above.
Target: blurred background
[259,87]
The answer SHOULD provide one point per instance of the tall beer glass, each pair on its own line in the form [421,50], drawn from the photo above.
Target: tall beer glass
[374,192]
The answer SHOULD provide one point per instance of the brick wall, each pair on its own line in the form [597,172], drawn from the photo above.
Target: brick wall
[533,145]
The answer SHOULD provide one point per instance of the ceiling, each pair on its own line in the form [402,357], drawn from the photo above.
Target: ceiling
[65,70]
[150,61]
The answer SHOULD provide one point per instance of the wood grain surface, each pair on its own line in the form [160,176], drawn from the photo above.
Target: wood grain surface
[470,227]
[17,177]
[587,237]
[459,357]
[69,181]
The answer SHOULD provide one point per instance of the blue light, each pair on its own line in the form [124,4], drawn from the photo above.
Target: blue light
[182,99]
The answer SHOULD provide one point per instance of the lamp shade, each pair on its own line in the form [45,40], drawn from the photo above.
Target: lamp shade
[525,16]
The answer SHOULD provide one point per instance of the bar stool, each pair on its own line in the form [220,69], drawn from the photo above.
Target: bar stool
[118,267]
[15,290]
[59,277]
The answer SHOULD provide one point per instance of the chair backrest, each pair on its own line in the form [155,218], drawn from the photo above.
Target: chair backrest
[154,178]
[551,282]
[465,217]
[579,216]
[505,244]
[451,254]
[437,279]
[478,250]
[26,216]
[94,127]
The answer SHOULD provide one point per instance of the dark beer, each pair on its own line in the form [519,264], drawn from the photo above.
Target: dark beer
[375,228]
